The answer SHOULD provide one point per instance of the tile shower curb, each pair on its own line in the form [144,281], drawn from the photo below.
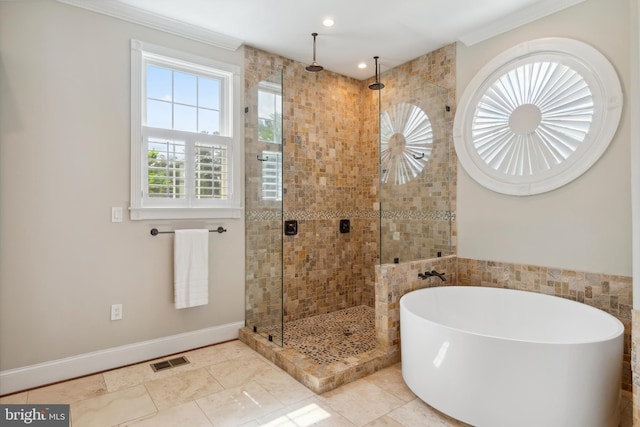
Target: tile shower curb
[320,378]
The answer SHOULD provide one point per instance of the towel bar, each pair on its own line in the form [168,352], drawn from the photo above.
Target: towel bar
[155,232]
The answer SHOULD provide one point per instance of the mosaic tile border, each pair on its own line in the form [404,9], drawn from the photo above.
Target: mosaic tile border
[263,215]
[429,215]
[331,214]
[310,215]
[437,215]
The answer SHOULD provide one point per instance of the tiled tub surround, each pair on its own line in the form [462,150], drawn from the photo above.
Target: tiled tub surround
[395,280]
[607,292]
[610,293]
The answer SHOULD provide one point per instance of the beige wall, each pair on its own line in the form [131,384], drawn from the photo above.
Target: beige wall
[64,162]
[585,225]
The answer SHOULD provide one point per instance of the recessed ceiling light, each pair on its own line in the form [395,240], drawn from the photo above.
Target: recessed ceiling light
[362,65]
[328,22]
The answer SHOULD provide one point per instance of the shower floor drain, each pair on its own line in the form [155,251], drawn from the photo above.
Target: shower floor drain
[168,364]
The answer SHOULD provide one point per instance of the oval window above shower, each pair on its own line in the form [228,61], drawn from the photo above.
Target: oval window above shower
[406,141]
[537,116]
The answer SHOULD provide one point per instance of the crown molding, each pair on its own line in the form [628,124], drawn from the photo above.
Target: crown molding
[517,19]
[129,13]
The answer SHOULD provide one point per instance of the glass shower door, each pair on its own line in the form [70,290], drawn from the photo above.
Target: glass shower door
[415,170]
[263,217]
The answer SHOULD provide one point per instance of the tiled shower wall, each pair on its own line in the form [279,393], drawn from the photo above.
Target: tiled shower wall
[610,293]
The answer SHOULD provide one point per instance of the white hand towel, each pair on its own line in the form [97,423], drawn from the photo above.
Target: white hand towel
[191,268]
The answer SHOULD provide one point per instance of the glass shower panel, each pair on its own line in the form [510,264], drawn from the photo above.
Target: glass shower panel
[415,169]
[263,218]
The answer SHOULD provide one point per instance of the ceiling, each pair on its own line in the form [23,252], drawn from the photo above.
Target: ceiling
[396,31]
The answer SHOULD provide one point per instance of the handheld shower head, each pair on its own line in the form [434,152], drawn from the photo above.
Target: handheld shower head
[314,67]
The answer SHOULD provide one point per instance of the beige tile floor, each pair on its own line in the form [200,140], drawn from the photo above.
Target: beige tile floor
[231,385]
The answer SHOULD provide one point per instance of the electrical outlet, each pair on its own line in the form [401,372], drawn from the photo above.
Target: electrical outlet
[116,311]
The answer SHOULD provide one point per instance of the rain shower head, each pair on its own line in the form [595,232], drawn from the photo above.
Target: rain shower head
[314,67]
[377,85]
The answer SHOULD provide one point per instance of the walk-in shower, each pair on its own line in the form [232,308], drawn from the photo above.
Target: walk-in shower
[313,162]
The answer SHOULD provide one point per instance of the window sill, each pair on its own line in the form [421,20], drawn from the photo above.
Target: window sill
[184,213]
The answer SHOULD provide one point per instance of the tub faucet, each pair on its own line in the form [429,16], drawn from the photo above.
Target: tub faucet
[427,274]
[440,275]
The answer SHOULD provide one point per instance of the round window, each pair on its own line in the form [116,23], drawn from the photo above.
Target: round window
[537,116]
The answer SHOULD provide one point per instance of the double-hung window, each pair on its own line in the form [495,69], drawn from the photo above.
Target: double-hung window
[270,133]
[185,138]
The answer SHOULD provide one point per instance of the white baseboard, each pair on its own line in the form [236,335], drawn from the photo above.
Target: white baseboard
[13,380]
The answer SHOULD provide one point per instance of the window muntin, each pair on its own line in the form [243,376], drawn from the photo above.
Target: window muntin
[166,168]
[182,101]
[185,146]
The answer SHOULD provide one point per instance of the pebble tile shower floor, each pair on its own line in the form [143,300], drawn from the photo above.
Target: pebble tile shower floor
[325,351]
[332,337]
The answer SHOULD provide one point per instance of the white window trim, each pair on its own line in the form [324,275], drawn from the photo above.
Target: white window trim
[608,101]
[230,208]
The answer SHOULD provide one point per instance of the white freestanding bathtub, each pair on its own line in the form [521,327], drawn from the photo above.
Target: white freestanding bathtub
[502,358]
